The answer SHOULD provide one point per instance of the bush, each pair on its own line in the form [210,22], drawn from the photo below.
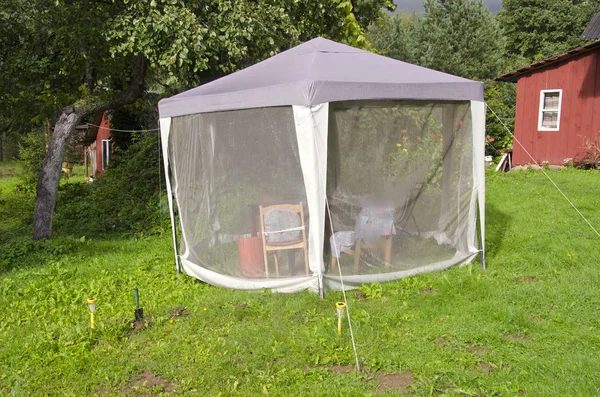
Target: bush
[32,151]
[125,200]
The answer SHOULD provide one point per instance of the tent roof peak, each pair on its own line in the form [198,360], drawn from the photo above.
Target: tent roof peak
[320,71]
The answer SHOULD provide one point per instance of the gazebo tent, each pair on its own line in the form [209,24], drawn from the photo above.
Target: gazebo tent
[362,142]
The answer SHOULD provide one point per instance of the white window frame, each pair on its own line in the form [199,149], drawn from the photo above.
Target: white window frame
[106,146]
[542,110]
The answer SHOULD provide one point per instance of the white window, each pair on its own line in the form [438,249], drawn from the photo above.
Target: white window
[549,118]
[105,153]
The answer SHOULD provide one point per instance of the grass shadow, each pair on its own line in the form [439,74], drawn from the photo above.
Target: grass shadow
[497,223]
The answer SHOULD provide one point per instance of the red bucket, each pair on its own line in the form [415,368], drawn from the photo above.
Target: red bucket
[252,264]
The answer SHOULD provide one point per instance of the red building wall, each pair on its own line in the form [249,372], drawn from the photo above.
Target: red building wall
[579,79]
[103,133]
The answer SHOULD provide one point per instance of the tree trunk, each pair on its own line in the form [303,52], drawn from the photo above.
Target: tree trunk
[50,176]
[63,129]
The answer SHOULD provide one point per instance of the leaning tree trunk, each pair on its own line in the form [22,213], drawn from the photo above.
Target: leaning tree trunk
[50,175]
[63,129]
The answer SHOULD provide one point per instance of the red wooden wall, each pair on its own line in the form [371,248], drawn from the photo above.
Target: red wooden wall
[103,133]
[578,77]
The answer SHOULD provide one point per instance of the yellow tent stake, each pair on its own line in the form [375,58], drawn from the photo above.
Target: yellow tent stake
[92,305]
[340,306]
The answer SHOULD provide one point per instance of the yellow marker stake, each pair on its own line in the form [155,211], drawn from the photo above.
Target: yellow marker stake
[340,306]
[92,305]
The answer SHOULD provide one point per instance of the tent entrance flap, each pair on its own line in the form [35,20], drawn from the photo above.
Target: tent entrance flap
[311,132]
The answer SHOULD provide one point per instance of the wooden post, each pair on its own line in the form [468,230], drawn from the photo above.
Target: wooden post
[85,163]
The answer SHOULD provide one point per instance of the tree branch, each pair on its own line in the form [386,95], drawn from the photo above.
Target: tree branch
[134,90]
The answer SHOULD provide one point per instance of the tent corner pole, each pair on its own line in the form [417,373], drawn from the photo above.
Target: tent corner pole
[321,287]
[481,237]
[175,242]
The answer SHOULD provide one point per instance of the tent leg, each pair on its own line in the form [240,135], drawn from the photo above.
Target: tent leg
[175,243]
[481,243]
[482,260]
[321,288]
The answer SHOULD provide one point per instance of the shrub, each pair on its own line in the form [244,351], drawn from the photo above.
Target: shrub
[32,151]
[125,200]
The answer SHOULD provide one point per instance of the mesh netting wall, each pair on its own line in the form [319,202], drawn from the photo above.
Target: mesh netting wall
[399,185]
[225,165]
[399,180]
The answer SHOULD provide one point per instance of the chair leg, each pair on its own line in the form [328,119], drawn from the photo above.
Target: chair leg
[388,251]
[356,256]
[266,263]
[305,260]
[276,264]
[332,264]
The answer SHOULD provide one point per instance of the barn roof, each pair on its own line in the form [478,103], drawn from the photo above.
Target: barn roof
[592,32]
[320,71]
[515,75]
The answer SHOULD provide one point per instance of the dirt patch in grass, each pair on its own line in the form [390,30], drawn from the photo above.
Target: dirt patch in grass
[394,381]
[142,324]
[7,172]
[179,311]
[360,295]
[485,367]
[428,291]
[441,342]
[343,369]
[517,338]
[476,349]
[534,319]
[526,280]
[148,384]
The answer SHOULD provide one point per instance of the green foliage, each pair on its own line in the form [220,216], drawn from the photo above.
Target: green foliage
[84,51]
[18,249]
[395,36]
[460,37]
[32,151]
[372,291]
[457,37]
[537,29]
[124,200]
[501,98]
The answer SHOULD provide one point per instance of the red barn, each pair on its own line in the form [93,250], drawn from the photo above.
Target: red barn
[558,105]
[98,153]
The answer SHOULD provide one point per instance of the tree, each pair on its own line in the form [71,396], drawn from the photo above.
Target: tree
[460,37]
[86,56]
[395,36]
[536,29]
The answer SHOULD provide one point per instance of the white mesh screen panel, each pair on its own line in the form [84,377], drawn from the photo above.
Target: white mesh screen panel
[225,166]
[399,182]
[399,185]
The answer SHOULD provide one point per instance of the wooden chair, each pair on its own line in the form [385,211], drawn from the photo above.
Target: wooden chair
[381,241]
[274,246]
[385,245]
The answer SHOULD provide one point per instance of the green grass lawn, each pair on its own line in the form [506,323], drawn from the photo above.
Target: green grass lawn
[529,325]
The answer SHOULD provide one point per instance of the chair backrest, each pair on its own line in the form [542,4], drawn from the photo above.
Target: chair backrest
[282,223]
[375,222]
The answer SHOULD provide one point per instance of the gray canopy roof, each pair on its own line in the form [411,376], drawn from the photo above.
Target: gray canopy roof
[316,72]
